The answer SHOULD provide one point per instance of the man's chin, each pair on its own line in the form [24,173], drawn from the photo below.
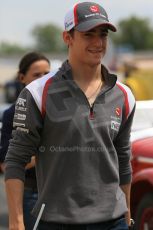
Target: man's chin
[96,61]
[95,64]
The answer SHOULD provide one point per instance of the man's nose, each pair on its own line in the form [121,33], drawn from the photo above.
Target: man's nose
[98,40]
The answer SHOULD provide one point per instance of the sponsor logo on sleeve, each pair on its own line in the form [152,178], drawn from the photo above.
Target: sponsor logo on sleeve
[21,105]
[19,116]
[16,124]
[21,102]
[22,129]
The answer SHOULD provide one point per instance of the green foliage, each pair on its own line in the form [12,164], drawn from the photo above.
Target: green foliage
[132,32]
[7,48]
[150,40]
[135,32]
[48,38]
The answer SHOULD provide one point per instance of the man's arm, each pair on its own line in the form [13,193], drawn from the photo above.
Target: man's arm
[125,172]
[31,164]
[126,189]
[25,142]
[28,166]
[14,191]
[123,148]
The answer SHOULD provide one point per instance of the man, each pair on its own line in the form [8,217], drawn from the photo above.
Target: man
[32,66]
[78,122]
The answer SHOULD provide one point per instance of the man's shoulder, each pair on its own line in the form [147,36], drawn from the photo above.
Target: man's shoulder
[128,97]
[39,87]
[125,89]
[41,82]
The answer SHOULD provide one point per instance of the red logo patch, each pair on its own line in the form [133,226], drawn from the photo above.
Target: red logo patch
[118,111]
[94,9]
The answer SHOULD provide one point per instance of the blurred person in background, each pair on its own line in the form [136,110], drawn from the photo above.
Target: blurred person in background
[12,90]
[32,66]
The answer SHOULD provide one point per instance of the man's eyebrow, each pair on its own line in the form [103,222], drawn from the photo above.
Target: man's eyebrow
[102,30]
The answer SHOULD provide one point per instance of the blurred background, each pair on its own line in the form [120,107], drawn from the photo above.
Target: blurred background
[37,26]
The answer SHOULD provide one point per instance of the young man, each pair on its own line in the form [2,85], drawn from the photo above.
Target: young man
[78,122]
[32,66]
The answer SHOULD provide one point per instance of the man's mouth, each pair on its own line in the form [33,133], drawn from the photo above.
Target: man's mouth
[95,51]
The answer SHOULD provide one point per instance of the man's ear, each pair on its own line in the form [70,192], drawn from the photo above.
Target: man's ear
[67,38]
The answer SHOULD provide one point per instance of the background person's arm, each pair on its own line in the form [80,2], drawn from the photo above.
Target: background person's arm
[2,167]
[6,131]
[14,191]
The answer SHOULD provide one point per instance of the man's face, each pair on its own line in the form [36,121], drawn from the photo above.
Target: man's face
[88,47]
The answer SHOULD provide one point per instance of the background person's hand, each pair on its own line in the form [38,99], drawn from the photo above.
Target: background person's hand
[2,167]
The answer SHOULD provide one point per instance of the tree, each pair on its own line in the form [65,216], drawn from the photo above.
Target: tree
[48,38]
[135,32]
[8,48]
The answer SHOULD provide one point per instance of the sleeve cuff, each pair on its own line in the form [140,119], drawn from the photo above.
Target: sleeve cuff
[125,179]
[15,173]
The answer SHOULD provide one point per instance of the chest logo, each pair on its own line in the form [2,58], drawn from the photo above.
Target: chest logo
[115,125]
[118,111]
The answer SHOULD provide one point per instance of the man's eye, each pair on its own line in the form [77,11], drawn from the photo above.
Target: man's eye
[87,34]
[104,33]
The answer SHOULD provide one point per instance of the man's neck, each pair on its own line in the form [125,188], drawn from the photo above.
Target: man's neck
[89,79]
[85,73]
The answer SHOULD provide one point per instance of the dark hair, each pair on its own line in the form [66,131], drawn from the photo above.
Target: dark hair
[71,32]
[29,59]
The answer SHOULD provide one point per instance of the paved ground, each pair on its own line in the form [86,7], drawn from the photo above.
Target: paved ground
[3,206]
